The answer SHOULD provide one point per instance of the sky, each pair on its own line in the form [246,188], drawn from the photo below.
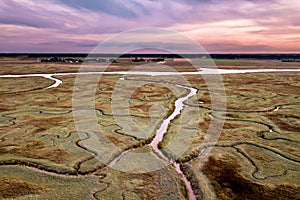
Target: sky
[219,26]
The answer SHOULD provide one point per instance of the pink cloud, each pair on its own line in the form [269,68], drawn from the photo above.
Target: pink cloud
[221,26]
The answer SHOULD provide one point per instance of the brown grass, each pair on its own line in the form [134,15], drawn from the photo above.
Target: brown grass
[36,149]
[283,123]
[230,125]
[228,182]
[12,188]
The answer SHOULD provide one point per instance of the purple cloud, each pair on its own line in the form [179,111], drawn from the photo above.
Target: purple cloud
[75,25]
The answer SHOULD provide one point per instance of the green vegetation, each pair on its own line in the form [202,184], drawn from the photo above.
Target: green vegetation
[257,153]
[42,156]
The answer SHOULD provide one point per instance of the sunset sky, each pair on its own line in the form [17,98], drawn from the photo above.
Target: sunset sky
[220,26]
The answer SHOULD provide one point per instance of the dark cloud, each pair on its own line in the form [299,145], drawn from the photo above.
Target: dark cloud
[112,7]
[26,16]
[12,21]
[55,21]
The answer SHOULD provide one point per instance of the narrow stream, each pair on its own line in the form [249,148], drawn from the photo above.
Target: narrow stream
[178,104]
[163,129]
[164,126]
[159,137]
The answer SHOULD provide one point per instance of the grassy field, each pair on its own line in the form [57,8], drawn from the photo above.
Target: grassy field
[43,156]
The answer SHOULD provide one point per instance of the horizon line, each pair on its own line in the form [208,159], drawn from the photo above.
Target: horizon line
[239,53]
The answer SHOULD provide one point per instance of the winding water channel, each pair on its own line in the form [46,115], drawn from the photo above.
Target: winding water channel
[201,71]
[179,105]
[161,131]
